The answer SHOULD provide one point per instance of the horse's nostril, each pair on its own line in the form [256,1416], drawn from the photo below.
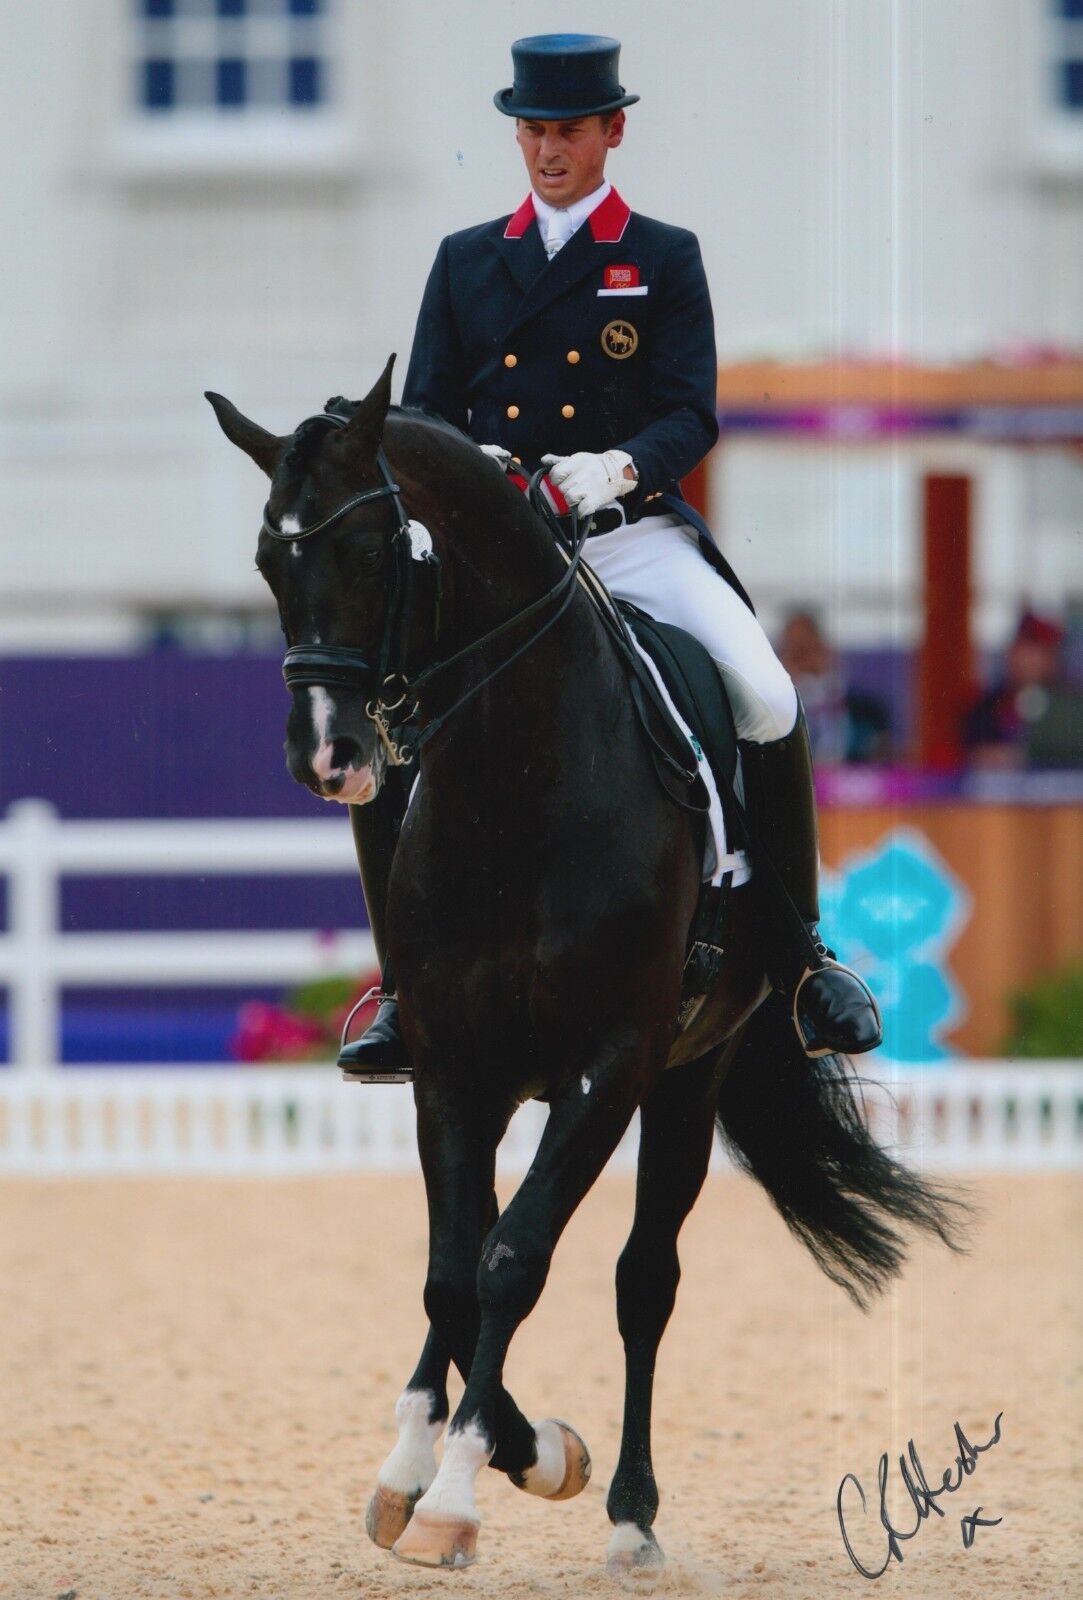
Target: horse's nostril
[345,753]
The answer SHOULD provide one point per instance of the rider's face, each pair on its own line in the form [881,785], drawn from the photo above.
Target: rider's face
[566,160]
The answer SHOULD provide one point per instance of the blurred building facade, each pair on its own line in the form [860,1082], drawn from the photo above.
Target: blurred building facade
[246,195]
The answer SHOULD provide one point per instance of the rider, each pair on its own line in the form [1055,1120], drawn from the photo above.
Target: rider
[579,334]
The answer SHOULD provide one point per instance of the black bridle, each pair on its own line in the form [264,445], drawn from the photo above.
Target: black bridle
[394,702]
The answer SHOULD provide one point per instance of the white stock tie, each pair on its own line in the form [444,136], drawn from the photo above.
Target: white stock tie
[557,233]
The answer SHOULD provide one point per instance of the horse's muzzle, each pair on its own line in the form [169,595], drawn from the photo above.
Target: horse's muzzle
[332,748]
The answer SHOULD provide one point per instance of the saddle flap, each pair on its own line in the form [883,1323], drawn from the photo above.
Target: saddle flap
[696,688]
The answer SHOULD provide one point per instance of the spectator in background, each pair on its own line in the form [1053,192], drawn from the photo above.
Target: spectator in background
[1030,717]
[845,724]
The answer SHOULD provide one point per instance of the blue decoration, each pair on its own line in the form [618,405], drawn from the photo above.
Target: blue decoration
[893,916]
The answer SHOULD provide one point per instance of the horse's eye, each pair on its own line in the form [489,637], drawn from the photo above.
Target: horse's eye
[369,559]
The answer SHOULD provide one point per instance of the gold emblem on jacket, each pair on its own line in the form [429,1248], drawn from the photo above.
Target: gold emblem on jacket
[619,340]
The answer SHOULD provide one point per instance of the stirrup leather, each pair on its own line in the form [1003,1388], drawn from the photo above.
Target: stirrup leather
[809,1043]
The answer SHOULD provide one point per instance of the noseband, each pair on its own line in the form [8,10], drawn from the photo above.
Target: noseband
[394,699]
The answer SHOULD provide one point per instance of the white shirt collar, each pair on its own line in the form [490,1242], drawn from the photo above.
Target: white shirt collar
[575,215]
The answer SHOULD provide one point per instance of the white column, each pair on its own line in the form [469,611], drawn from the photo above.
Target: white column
[33,929]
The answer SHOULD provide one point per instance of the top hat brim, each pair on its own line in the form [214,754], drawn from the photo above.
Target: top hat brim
[504,100]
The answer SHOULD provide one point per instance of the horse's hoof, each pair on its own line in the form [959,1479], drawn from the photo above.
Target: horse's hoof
[429,1540]
[562,1469]
[388,1512]
[576,1462]
[634,1553]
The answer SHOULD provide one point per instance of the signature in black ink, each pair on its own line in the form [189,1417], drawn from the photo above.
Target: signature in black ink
[922,1496]
[971,1524]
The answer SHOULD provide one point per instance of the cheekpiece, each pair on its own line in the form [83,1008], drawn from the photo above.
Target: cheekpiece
[559,76]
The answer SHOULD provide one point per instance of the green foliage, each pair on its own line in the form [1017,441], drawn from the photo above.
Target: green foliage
[323,998]
[1047,1017]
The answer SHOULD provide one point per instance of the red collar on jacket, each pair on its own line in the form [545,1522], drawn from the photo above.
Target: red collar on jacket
[607,222]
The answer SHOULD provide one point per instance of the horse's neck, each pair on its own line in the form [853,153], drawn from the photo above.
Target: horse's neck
[499,556]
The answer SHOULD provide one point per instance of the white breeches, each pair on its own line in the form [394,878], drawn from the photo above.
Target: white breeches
[657,564]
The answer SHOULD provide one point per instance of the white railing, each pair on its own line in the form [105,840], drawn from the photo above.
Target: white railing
[37,958]
[280,1120]
[75,1120]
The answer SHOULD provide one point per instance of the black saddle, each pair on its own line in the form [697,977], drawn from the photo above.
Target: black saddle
[696,688]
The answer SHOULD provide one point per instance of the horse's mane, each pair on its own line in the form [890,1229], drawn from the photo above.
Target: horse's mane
[309,436]
[338,406]
[302,448]
[416,414]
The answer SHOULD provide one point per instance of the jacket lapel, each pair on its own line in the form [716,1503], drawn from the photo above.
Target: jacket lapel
[578,257]
[520,246]
[590,247]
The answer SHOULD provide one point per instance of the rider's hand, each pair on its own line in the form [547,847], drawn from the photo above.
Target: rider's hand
[589,482]
[497,453]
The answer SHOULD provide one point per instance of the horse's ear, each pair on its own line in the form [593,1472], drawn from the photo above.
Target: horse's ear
[264,448]
[360,439]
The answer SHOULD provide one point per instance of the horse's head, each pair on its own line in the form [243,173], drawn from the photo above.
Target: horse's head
[327,550]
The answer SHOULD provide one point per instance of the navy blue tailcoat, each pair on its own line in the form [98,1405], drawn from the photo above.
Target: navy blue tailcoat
[610,345]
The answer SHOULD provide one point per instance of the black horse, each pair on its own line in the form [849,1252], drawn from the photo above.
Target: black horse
[538,912]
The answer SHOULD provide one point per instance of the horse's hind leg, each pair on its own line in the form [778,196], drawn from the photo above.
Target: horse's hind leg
[677,1127]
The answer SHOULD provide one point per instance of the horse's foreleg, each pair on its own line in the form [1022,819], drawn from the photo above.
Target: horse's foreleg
[421,1414]
[584,1127]
[458,1160]
[677,1127]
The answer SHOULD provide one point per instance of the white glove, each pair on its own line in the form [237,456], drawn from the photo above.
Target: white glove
[497,453]
[589,482]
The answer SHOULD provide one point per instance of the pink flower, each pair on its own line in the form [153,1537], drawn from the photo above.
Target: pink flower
[267,1033]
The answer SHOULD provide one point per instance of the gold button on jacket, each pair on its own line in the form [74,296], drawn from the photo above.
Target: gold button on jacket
[567,411]
[573,356]
[511,361]
[513,411]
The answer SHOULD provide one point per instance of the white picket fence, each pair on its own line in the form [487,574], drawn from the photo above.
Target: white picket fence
[239,1120]
[296,1120]
[37,958]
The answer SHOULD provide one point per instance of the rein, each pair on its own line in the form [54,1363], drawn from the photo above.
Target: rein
[395,704]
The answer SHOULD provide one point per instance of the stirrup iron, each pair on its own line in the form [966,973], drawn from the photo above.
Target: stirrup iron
[353,1074]
[811,1046]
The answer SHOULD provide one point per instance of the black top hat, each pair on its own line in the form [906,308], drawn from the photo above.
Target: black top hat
[563,75]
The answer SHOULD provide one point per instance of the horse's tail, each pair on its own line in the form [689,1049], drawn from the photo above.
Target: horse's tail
[795,1124]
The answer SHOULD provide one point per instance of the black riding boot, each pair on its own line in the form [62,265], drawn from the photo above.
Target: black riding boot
[379,1056]
[833,1010]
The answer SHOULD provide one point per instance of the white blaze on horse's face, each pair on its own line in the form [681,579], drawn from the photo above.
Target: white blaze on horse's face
[358,784]
[291,524]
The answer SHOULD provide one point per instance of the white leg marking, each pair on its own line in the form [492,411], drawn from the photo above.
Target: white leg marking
[451,1494]
[546,1476]
[626,1539]
[633,1552]
[411,1466]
